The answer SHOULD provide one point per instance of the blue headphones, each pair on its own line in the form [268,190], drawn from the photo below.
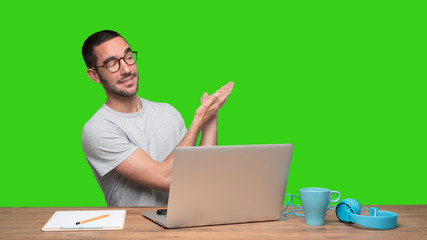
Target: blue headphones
[348,211]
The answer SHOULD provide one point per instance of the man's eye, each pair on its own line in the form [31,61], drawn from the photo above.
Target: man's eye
[111,64]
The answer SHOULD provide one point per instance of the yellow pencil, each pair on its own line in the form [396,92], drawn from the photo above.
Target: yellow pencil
[92,219]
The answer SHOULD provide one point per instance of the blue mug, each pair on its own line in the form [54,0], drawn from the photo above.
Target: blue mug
[315,203]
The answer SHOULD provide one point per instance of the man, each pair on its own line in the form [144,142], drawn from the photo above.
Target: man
[129,142]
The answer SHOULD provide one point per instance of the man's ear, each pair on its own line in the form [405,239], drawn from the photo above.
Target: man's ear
[92,74]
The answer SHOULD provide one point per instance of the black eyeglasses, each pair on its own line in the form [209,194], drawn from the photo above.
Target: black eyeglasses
[114,64]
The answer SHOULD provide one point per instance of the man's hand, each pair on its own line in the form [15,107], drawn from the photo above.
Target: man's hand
[211,104]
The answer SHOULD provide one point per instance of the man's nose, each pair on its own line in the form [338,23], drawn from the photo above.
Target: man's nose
[124,67]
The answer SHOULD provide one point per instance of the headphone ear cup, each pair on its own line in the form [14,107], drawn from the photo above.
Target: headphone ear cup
[347,207]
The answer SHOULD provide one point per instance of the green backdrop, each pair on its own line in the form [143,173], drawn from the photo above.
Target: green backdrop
[344,81]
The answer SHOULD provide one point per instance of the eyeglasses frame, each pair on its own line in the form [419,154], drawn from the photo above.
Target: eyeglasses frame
[105,65]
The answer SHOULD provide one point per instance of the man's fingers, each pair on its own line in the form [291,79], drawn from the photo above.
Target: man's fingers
[229,88]
[211,104]
[221,90]
[226,92]
[211,99]
[204,98]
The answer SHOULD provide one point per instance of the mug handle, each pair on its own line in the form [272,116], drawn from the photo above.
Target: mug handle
[336,199]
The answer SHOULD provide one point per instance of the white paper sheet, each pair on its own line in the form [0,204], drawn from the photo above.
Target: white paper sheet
[69,218]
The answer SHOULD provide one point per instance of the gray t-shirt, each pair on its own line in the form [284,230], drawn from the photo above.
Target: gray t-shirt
[110,137]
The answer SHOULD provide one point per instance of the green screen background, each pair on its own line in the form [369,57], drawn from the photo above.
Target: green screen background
[344,81]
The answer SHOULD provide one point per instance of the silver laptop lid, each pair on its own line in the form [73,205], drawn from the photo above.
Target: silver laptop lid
[227,184]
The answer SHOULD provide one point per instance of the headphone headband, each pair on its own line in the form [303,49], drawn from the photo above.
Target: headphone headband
[384,220]
[348,210]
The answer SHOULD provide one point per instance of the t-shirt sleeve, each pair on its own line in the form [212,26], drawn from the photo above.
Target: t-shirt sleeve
[181,123]
[105,145]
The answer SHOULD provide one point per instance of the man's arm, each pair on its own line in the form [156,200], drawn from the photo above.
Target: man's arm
[210,133]
[209,129]
[142,169]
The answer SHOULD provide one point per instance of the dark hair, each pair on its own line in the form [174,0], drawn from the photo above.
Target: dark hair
[94,40]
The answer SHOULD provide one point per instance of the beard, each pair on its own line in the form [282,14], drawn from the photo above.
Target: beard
[113,89]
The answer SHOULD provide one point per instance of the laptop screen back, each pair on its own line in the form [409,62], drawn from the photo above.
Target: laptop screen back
[227,184]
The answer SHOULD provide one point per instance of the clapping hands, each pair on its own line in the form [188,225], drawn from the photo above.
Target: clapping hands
[211,104]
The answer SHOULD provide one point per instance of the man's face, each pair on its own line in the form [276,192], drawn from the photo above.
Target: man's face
[124,82]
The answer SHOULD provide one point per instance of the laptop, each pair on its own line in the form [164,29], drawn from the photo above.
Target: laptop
[212,185]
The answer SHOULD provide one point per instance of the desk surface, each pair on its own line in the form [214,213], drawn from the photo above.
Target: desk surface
[26,223]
